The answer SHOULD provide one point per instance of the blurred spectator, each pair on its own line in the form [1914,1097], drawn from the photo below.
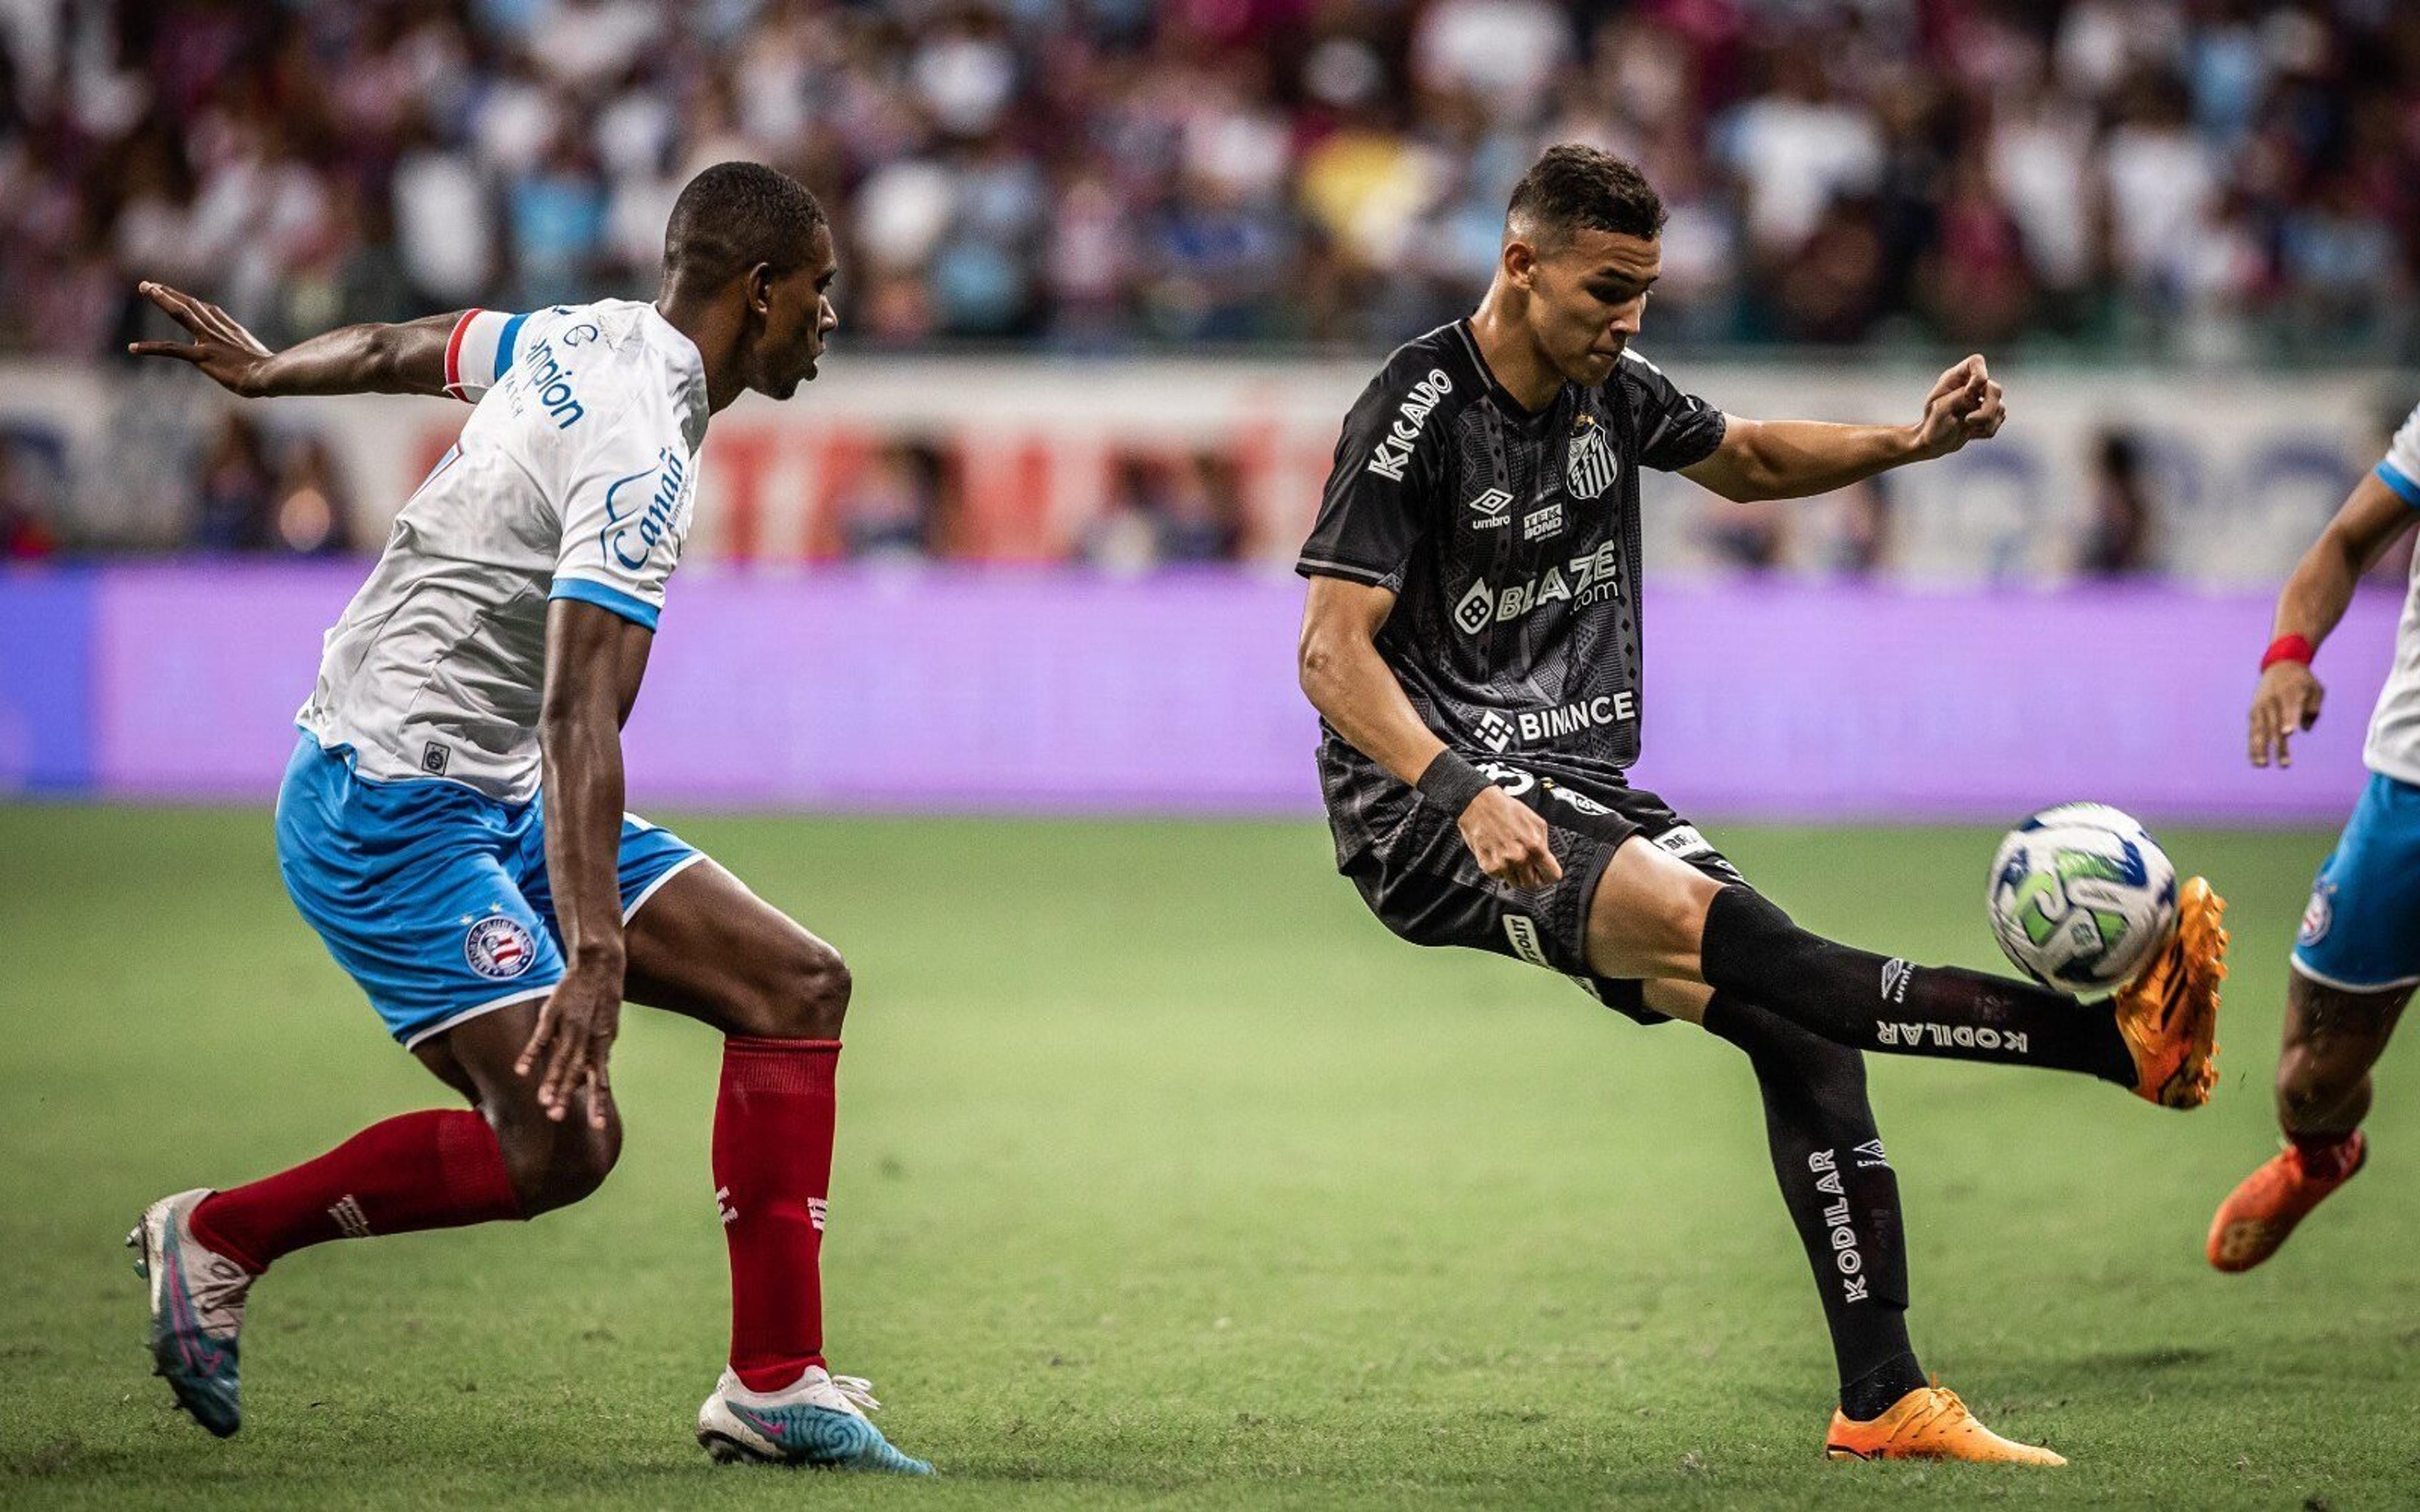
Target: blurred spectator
[2118,538]
[236,504]
[2217,178]
[25,534]
[256,494]
[1162,511]
[310,512]
[887,512]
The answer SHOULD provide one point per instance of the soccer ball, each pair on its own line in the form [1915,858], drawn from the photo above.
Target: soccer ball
[2080,897]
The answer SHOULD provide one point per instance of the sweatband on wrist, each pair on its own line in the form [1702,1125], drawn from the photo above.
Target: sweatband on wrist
[2286,648]
[1451,782]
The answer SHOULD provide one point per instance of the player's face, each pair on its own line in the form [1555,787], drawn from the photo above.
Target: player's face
[1586,298]
[798,317]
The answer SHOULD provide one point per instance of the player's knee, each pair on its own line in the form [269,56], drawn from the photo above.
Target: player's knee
[554,1165]
[806,997]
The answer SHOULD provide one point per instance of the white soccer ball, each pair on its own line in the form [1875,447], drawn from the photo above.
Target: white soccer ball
[2080,897]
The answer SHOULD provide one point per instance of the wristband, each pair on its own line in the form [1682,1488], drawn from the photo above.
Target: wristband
[1451,783]
[2286,648]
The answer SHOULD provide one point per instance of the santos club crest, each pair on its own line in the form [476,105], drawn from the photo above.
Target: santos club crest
[499,946]
[1589,466]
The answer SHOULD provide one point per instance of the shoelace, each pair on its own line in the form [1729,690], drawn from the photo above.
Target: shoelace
[859,1390]
[1938,1403]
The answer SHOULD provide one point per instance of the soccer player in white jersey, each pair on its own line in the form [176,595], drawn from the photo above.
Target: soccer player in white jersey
[451,822]
[2357,957]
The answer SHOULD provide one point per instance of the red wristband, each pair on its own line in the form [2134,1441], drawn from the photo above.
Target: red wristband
[2286,648]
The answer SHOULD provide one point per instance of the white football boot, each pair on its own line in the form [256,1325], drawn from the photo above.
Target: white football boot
[197,1297]
[820,1422]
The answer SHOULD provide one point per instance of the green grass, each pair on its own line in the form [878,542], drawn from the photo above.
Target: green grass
[1167,1178]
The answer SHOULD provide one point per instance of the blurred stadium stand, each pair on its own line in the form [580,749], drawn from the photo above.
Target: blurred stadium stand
[2085,190]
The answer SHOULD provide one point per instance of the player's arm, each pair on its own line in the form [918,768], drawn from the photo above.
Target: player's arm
[1355,693]
[2313,601]
[595,659]
[1794,459]
[409,358]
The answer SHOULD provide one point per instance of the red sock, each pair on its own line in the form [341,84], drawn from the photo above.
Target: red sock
[772,1171]
[2327,1157]
[419,1170]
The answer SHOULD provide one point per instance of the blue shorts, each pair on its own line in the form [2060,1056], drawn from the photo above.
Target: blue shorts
[2361,930]
[434,896]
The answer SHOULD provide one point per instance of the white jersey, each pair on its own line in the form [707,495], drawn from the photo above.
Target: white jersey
[573,479]
[2393,748]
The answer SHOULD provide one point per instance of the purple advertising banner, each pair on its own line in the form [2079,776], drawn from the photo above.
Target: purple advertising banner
[1055,692]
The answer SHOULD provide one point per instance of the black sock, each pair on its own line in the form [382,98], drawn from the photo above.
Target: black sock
[1840,1193]
[1861,1001]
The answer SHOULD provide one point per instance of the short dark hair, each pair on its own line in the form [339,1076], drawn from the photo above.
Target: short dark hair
[735,215]
[1578,187]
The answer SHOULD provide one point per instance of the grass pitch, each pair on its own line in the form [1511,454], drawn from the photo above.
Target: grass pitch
[1167,1178]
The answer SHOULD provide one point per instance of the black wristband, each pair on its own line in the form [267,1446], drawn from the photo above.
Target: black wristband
[1451,782]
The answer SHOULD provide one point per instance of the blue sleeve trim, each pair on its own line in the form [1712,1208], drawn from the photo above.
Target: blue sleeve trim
[2404,487]
[504,343]
[635,610]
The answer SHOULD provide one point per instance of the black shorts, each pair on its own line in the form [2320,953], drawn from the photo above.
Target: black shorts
[1421,880]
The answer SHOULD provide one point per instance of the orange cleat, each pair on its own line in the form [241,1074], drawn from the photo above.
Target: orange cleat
[1929,1422]
[2169,1014]
[2252,1224]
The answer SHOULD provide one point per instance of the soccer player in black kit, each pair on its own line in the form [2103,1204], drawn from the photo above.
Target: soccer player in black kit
[1472,643]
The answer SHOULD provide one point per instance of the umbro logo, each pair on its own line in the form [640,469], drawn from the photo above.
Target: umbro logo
[1491,510]
[1895,977]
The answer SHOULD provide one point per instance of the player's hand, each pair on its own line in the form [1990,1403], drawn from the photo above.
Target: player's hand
[1508,841]
[1964,406]
[2286,701]
[573,1037]
[232,356]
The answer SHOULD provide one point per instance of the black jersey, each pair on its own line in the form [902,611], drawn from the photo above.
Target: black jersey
[1512,542]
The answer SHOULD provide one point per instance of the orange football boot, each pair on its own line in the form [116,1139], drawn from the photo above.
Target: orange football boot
[1929,1422]
[2169,1014]
[2252,1224]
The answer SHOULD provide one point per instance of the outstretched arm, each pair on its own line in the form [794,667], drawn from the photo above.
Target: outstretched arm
[367,359]
[1793,458]
[2314,599]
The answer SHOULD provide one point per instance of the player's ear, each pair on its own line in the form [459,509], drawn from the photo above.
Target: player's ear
[1520,261]
[760,289]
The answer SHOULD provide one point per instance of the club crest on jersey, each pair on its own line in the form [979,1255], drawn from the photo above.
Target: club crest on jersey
[2319,916]
[1394,450]
[499,948]
[1589,466]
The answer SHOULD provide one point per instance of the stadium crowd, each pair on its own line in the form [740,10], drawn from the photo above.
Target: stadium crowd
[2202,177]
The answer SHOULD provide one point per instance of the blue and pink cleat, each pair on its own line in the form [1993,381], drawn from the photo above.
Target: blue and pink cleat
[819,1422]
[197,1297]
